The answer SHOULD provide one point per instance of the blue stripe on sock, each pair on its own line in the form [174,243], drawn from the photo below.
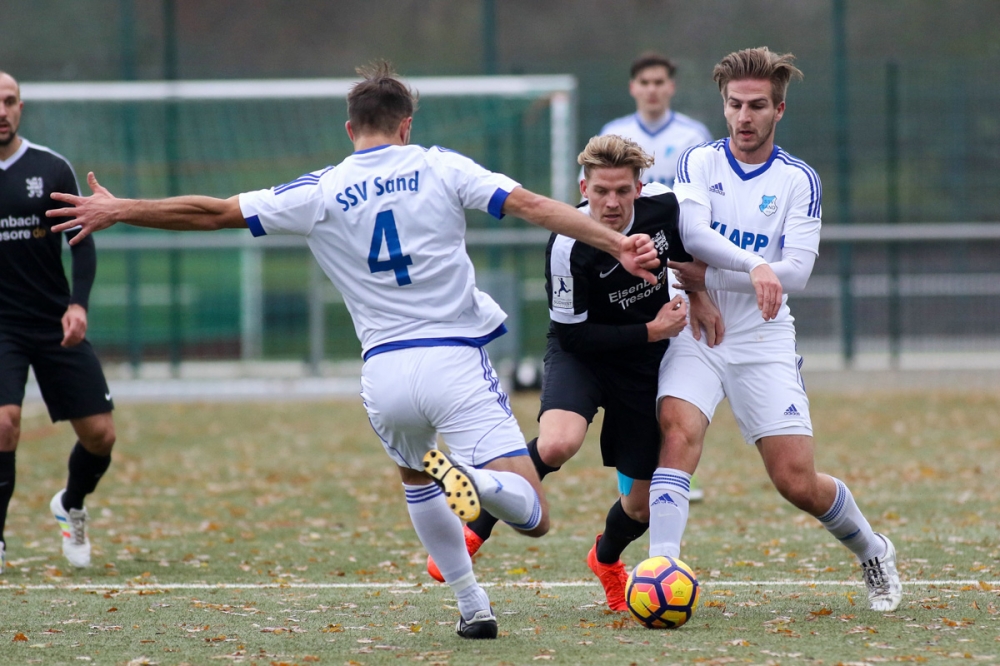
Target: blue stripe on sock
[422,495]
[850,536]
[536,517]
[838,503]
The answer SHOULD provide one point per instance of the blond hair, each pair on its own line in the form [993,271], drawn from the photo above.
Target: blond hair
[612,151]
[758,63]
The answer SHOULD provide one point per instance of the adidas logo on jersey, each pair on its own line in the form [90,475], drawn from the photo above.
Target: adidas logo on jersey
[791,411]
[717,189]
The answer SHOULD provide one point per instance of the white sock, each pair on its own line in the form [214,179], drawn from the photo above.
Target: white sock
[442,534]
[508,496]
[668,511]
[845,521]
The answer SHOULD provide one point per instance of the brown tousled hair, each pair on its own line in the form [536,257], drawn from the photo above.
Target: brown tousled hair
[758,63]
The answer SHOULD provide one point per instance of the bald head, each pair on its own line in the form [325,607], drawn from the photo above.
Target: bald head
[6,78]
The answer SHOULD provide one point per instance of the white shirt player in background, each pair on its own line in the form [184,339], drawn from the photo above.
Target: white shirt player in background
[767,202]
[658,129]
[387,225]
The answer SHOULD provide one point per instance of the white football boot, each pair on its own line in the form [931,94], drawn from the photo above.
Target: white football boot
[884,589]
[73,523]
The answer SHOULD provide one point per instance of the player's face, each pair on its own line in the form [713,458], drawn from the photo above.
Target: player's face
[611,193]
[10,109]
[652,88]
[751,116]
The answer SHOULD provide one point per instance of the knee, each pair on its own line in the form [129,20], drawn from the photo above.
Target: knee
[100,441]
[10,430]
[556,450]
[679,438]
[800,490]
[636,510]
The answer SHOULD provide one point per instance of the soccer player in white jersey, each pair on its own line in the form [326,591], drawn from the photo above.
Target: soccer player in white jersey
[387,225]
[662,132]
[767,202]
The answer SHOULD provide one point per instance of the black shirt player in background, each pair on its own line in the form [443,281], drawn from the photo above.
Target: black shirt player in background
[43,324]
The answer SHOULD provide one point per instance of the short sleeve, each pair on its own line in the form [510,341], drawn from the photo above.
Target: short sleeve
[292,208]
[691,182]
[803,221]
[567,289]
[477,188]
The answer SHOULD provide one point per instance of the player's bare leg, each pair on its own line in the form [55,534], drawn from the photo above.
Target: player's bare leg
[789,460]
[440,531]
[683,427]
[10,433]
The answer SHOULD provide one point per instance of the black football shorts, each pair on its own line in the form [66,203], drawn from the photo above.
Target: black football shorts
[630,436]
[70,378]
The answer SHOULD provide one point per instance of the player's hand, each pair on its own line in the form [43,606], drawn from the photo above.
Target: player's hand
[704,315]
[74,324]
[638,256]
[98,211]
[768,288]
[669,321]
[690,275]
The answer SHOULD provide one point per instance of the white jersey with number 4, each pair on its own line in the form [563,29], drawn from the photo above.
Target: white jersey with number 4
[387,225]
[762,208]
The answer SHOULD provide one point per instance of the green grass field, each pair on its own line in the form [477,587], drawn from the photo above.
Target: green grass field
[277,534]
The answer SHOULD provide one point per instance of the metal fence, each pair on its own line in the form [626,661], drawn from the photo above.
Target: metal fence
[914,290]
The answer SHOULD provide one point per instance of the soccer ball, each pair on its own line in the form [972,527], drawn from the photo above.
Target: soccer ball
[662,593]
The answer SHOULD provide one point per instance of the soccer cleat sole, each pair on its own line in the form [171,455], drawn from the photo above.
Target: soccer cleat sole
[459,491]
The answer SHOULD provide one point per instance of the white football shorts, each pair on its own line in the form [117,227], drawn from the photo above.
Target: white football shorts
[760,376]
[416,393]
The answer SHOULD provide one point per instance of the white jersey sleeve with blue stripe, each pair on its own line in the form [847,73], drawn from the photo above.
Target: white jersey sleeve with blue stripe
[387,225]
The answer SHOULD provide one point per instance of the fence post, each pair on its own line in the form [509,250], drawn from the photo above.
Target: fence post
[251,303]
[892,206]
[841,111]
[317,322]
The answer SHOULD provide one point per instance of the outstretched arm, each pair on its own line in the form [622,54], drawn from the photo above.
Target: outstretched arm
[186,213]
[636,253]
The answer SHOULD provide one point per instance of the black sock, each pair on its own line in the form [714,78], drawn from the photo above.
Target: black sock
[541,466]
[619,532]
[483,525]
[6,485]
[85,470]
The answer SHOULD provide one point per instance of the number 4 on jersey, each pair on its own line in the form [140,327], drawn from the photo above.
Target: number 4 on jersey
[385,225]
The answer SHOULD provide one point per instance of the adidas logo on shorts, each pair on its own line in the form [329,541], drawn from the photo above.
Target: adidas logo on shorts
[791,411]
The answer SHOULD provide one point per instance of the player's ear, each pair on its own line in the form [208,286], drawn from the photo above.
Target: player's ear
[638,187]
[404,129]
[583,188]
[350,132]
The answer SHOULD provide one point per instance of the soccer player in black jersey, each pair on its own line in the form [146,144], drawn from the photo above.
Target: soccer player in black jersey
[43,324]
[607,336]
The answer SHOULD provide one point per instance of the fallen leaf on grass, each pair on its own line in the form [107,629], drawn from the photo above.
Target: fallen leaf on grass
[19,638]
[821,611]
